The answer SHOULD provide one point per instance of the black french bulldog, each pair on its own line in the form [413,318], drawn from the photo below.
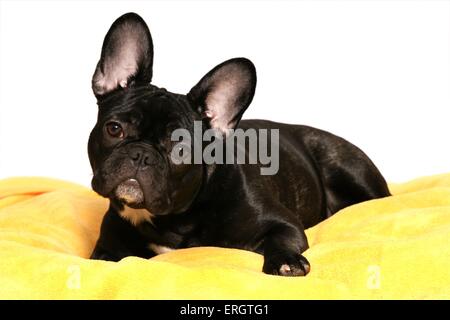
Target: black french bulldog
[157,205]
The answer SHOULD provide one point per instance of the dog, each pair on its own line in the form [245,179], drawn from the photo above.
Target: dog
[157,205]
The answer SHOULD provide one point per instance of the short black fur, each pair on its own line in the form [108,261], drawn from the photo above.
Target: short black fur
[225,205]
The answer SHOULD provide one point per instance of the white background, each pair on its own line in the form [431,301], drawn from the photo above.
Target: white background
[375,72]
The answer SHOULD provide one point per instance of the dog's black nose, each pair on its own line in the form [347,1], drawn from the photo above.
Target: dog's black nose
[140,156]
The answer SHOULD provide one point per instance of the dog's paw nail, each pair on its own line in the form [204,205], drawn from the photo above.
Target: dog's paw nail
[307,268]
[293,271]
[290,266]
[285,269]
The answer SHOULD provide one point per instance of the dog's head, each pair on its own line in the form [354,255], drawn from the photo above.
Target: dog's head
[130,146]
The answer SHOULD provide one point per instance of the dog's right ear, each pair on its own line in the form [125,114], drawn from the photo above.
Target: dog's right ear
[127,56]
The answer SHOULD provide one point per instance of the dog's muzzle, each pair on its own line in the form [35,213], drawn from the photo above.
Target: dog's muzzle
[130,192]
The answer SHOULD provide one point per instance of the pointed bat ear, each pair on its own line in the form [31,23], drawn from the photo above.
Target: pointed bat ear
[127,56]
[225,92]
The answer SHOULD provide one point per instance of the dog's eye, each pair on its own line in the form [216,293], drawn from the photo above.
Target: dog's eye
[114,129]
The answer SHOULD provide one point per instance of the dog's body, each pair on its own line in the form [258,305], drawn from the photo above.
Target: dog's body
[157,205]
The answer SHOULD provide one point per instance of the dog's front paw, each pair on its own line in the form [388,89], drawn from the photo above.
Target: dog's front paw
[292,265]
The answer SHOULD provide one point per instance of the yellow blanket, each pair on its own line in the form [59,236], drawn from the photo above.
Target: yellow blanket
[398,247]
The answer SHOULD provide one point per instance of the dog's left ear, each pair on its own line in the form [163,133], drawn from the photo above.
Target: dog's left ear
[224,93]
[127,56]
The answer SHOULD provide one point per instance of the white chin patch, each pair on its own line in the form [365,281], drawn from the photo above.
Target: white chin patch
[130,192]
[136,216]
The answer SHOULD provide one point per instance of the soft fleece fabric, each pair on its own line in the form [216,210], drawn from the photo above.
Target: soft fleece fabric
[392,248]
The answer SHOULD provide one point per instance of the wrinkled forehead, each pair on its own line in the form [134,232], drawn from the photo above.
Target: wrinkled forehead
[149,107]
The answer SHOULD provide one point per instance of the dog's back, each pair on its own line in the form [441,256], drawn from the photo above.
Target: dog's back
[311,158]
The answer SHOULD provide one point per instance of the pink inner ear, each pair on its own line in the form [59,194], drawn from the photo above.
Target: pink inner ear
[123,83]
[121,62]
[220,103]
[209,114]
[116,73]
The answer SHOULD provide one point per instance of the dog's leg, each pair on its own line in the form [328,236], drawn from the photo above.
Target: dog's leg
[283,245]
[347,173]
[119,239]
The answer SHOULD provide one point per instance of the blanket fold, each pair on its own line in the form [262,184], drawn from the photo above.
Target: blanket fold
[391,248]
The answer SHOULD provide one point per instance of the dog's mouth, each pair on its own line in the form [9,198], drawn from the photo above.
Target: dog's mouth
[130,193]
